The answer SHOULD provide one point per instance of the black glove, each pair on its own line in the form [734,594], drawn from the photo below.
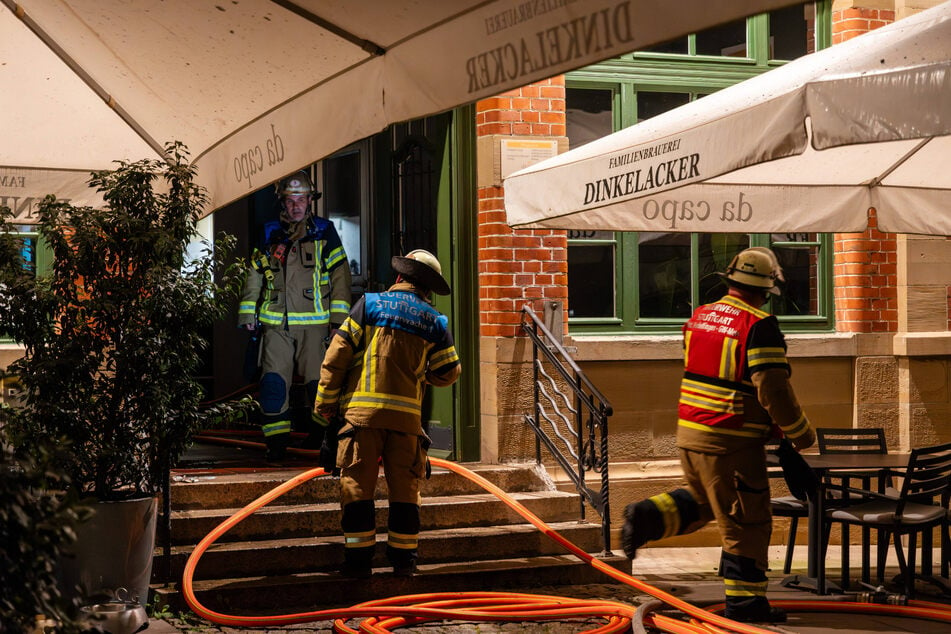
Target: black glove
[328,454]
[328,448]
[800,478]
[426,442]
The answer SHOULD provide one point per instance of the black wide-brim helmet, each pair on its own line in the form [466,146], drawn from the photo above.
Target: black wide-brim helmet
[422,267]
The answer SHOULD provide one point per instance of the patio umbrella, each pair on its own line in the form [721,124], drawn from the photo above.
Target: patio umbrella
[258,88]
[806,147]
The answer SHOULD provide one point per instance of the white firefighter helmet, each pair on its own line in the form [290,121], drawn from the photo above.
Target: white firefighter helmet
[757,267]
[297,184]
[422,267]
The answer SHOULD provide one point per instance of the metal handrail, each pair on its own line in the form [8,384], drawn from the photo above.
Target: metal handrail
[575,419]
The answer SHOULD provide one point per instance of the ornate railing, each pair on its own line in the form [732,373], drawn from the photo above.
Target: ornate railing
[570,417]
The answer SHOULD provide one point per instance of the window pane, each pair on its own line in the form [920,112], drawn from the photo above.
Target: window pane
[343,204]
[28,253]
[678,46]
[663,274]
[728,40]
[588,115]
[800,293]
[591,280]
[27,243]
[715,252]
[651,104]
[792,31]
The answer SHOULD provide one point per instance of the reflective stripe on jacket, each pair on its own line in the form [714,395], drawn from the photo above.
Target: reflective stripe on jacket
[725,343]
[306,284]
[382,357]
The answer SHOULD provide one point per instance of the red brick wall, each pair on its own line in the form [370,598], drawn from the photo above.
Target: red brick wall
[866,264]
[866,279]
[521,266]
[849,23]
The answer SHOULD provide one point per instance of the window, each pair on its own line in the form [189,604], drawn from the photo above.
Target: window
[792,31]
[37,258]
[35,254]
[343,180]
[728,40]
[788,33]
[651,282]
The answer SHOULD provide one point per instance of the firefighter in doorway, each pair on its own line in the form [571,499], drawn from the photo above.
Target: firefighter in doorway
[375,374]
[735,394]
[297,290]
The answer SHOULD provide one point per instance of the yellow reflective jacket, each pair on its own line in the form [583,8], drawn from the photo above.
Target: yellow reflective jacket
[379,362]
[299,283]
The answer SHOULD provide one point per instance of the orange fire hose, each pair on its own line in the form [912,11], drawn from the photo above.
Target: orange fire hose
[381,615]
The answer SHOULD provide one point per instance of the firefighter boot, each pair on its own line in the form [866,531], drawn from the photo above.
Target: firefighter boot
[642,523]
[276,448]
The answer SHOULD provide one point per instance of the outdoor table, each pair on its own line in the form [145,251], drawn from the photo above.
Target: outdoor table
[827,465]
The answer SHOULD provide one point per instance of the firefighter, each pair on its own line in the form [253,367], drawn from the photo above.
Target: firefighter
[375,373]
[735,394]
[297,290]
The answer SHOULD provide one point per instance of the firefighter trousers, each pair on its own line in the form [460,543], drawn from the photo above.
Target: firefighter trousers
[283,352]
[733,491]
[404,465]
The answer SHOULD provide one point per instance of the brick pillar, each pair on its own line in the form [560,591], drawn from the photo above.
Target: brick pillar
[516,267]
[866,267]
[851,21]
[865,263]
[525,266]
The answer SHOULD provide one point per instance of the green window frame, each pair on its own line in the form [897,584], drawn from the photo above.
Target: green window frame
[41,259]
[630,84]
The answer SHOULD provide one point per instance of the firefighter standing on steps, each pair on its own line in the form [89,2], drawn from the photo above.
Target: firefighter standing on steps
[297,290]
[734,395]
[375,372]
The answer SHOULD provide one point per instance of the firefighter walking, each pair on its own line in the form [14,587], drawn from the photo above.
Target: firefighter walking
[297,290]
[375,374]
[735,394]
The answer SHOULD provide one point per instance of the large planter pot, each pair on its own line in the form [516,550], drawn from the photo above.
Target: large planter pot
[113,550]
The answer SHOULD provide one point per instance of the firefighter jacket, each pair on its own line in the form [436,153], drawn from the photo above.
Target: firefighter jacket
[735,389]
[297,283]
[380,360]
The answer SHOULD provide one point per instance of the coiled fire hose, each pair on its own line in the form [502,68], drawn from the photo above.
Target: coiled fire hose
[381,615]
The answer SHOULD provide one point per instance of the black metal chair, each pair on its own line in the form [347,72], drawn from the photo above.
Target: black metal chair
[836,440]
[920,506]
[794,509]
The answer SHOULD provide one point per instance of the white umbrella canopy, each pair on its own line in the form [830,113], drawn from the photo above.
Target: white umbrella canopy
[808,147]
[258,88]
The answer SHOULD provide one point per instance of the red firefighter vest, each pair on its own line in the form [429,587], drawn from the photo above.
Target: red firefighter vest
[718,357]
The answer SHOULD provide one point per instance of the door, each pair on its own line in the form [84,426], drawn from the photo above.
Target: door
[433,207]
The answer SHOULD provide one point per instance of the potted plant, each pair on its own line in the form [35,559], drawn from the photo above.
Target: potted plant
[113,337]
[38,516]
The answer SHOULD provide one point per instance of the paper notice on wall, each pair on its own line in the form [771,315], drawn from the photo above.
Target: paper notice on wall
[520,153]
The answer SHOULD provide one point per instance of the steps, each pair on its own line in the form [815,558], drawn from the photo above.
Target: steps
[285,556]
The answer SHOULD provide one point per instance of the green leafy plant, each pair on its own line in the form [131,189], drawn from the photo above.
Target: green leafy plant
[38,514]
[113,335]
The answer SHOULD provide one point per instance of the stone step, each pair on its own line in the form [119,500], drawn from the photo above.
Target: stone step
[310,554]
[315,520]
[285,555]
[206,489]
[283,594]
